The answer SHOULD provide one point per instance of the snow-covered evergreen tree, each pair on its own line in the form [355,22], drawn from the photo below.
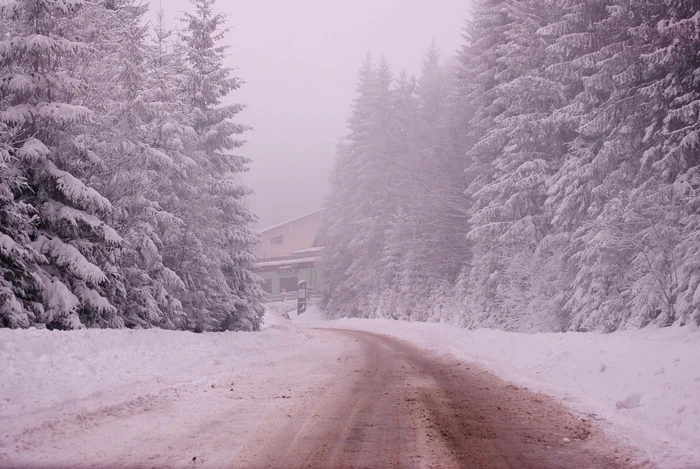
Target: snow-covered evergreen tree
[400,233]
[337,297]
[140,118]
[390,229]
[340,225]
[425,241]
[20,293]
[441,173]
[20,290]
[513,148]
[371,204]
[215,252]
[39,104]
[594,194]
[667,196]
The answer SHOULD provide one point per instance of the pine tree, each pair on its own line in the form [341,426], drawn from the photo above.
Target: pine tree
[425,242]
[216,256]
[513,146]
[400,225]
[441,173]
[20,291]
[372,202]
[336,295]
[668,289]
[137,165]
[39,103]
[363,202]
[340,225]
[593,194]
[20,294]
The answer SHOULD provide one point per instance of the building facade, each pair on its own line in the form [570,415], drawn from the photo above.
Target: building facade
[287,254]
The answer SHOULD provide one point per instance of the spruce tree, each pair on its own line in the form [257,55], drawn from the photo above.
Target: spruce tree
[216,259]
[440,192]
[335,234]
[592,195]
[340,225]
[39,104]
[20,290]
[668,184]
[513,147]
[137,167]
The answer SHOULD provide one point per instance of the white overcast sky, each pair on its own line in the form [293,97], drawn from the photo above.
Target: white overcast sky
[300,60]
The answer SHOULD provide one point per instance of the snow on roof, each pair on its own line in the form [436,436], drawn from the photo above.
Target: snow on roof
[283,262]
[290,221]
[309,250]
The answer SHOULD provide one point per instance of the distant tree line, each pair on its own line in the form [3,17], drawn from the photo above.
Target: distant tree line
[120,204]
[547,179]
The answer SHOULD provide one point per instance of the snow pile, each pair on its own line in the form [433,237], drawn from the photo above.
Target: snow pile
[277,314]
[310,316]
[284,313]
[44,369]
[645,383]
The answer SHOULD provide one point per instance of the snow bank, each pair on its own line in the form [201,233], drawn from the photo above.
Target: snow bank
[44,369]
[310,316]
[644,383]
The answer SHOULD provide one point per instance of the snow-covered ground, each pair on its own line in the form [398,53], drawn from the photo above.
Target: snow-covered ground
[643,386]
[151,397]
[42,369]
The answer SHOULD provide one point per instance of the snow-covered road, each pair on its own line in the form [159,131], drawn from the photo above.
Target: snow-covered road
[297,392]
[340,399]
[391,405]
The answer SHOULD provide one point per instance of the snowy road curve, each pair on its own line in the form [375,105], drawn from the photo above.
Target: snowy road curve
[339,398]
[390,405]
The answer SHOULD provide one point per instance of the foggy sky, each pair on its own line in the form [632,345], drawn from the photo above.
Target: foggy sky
[300,60]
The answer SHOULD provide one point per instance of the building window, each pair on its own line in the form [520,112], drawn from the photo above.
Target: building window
[277,240]
[288,270]
[288,284]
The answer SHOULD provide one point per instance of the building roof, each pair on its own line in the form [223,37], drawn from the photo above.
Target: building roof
[291,221]
[309,250]
[284,262]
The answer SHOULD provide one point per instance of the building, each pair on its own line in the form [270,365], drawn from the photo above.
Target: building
[287,254]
